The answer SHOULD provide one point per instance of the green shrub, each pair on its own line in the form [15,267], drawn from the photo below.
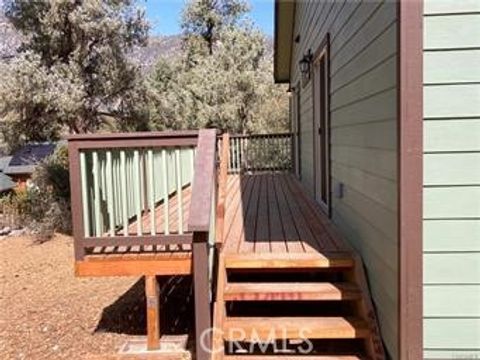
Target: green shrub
[44,206]
[50,196]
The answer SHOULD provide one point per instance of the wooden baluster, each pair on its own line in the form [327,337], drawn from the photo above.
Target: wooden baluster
[236,154]
[123,190]
[178,173]
[151,193]
[110,199]
[166,221]
[85,202]
[239,159]
[138,190]
[96,193]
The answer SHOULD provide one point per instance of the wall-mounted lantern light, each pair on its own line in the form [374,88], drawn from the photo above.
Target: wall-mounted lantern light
[305,63]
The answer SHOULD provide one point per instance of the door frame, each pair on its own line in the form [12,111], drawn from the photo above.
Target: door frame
[297,129]
[322,52]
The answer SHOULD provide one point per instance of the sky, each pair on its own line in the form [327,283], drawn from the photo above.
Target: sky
[164,15]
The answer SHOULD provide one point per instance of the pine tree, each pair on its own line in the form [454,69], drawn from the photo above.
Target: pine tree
[71,72]
[223,78]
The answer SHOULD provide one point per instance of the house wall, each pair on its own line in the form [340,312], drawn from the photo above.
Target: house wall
[451,179]
[363,67]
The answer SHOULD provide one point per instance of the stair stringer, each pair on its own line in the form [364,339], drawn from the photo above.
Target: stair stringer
[219,311]
[366,310]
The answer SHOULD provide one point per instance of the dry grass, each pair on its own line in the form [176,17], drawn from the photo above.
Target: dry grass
[47,313]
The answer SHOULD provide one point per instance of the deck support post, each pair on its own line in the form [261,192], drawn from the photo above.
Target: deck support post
[152,295]
[202,295]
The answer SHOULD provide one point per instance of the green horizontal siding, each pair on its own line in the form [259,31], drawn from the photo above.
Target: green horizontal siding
[465,297]
[451,235]
[451,202]
[452,179]
[455,334]
[462,99]
[450,354]
[447,135]
[444,67]
[452,31]
[452,268]
[451,169]
[363,124]
[435,7]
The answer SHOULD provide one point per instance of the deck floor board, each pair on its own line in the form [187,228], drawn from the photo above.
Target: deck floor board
[164,251]
[271,214]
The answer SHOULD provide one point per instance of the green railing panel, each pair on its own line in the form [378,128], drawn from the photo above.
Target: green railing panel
[120,186]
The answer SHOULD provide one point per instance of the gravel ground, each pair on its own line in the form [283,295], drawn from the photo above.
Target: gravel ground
[47,313]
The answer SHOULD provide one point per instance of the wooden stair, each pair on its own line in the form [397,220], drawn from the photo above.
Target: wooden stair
[295,357]
[284,291]
[289,261]
[265,329]
[280,291]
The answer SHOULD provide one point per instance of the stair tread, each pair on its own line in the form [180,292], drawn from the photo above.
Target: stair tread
[289,260]
[277,291]
[268,328]
[292,357]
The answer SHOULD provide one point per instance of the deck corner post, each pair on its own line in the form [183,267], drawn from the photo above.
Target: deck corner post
[76,199]
[201,287]
[152,295]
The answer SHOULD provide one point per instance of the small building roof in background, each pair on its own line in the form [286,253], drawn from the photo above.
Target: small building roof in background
[4,161]
[6,183]
[24,160]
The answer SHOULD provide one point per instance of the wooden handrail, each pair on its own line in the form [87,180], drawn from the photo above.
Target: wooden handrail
[266,135]
[135,135]
[203,188]
[222,188]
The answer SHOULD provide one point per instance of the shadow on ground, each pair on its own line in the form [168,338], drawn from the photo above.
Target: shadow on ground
[127,314]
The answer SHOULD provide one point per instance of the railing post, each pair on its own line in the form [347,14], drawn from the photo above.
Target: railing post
[201,286]
[76,200]
[200,223]
[152,296]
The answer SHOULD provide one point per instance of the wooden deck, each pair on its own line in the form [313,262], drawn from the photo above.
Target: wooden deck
[285,273]
[164,259]
[268,217]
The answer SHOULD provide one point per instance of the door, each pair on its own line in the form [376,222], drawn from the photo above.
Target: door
[321,129]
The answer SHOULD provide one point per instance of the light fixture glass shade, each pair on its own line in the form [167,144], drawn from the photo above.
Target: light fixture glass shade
[304,65]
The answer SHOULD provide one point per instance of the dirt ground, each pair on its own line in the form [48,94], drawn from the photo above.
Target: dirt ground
[47,313]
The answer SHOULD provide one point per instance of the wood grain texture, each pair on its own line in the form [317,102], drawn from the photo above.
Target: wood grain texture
[203,181]
[293,328]
[270,220]
[222,188]
[134,265]
[152,297]
[291,291]
[287,357]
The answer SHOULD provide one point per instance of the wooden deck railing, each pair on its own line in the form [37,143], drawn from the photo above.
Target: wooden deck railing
[261,152]
[118,181]
[123,185]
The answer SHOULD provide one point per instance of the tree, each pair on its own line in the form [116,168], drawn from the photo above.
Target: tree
[204,20]
[71,72]
[222,79]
